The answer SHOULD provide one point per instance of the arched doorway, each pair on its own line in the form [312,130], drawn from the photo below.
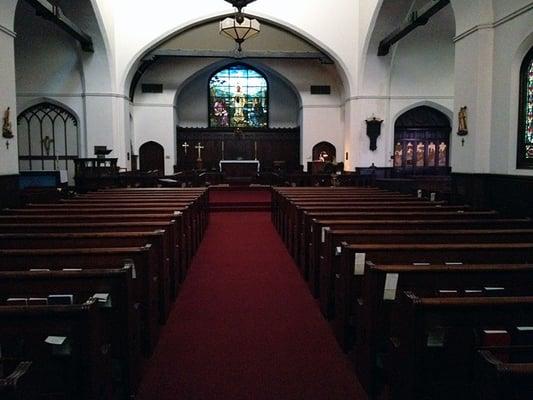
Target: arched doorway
[152,158]
[325,152]
[422,142]
[48,137]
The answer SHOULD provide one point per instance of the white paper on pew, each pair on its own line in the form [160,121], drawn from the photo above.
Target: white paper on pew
[419,193]
[72,269]
[359,267]
[312,229]
[493,288]
[453,263]
[391,283]
[436,338]
[55,340]
[524,328]
[104,300]
[39,270]
[338,250]
[494,331]
[131,264]
[420,263]
[470,291]
[101,297]
[324,229]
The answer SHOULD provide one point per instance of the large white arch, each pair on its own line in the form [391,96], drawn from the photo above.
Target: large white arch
[134,63]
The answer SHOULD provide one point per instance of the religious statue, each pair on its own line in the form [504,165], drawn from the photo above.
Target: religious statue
[463,122]
[221,113]
[442,154]
[323,156]
[7,128]
[47,143]
[431,154]
[238,103]
[420,152]
[398,153]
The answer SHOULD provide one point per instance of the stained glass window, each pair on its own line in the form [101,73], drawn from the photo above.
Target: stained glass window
[525,133]
[238,97]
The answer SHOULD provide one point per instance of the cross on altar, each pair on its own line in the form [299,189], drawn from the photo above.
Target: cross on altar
[199,147]
[185,147]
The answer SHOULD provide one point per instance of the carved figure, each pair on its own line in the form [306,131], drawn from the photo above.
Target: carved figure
[7,128]
[463,122]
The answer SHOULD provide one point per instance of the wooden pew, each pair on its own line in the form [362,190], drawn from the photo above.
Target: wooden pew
[303,231]
[349,280]
[319,226]
[330,257]
[504,380]
[104,240]
[15,381]
[80,369]
[419,350]
[377,306]
[145,277]
[120,315]
[177,272]
[185,253]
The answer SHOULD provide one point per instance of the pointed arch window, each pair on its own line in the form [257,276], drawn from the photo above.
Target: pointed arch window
[238,97]
[525,125]
[48,139]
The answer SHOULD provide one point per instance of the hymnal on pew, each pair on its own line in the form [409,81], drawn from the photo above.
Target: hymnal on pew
[60,299]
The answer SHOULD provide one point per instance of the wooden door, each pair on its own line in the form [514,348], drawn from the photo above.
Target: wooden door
[152,158]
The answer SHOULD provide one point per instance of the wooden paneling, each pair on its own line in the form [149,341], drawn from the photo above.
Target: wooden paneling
[266,145]
[10,193]
[510,194]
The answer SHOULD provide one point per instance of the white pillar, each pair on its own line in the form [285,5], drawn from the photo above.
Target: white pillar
[8,98]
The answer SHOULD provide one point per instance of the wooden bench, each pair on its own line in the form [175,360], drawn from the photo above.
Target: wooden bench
[120,313]
[504,380]
[104,240]
[434,348]
[333,239]
[376,309]
[80,368]
[145,277]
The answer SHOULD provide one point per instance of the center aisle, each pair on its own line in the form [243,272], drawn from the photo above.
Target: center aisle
[245,326]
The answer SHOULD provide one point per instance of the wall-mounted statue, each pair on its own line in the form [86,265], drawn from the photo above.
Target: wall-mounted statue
[463,122]
[7,127]
[373,130]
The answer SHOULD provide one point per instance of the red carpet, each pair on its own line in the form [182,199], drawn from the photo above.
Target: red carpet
[245,325]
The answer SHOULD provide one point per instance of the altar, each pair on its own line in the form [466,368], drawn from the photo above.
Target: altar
[239,168]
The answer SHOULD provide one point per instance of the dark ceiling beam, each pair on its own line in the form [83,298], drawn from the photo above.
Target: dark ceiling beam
[415,19]
[310,55]
[55,15]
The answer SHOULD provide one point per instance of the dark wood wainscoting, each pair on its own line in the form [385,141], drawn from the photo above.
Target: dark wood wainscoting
[270,146]
[510,194]
[10,193]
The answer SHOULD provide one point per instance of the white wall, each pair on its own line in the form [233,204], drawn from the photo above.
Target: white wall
[489,48]
[8,154]
[185,84]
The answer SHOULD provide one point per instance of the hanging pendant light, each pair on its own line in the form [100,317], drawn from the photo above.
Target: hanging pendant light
[239,27]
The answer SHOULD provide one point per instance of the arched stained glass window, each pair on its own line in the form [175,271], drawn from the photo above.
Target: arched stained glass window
[525,125]
[238,97]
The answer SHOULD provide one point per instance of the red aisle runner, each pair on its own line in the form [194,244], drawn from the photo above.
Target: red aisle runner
[245,325]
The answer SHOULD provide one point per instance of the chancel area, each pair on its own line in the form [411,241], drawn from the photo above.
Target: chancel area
[268,200]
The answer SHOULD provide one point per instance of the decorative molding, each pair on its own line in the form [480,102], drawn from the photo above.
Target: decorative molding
[494,24]
[321,106]
[81,95]
[8,31]
[372,97]
[162,105]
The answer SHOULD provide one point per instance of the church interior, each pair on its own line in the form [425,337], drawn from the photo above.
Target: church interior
[262,199]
